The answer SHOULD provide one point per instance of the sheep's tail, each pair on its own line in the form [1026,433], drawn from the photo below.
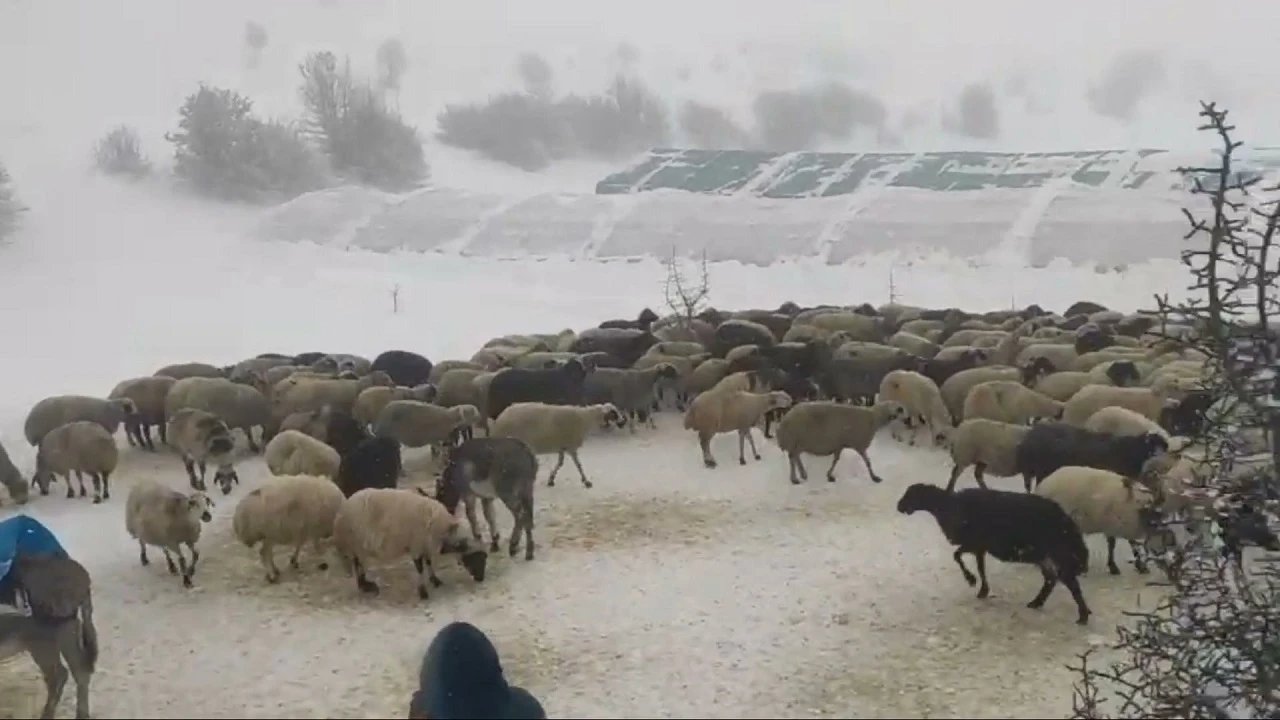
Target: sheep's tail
[88,633]
[241,525]
[689,418]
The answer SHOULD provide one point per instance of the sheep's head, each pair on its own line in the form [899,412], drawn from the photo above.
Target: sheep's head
[647,317]
[42,477]
[225,476]
[920,496]
[348,375]
[326,364]
[666,371]
[468,415]
[197,506]
[471,555]
[608,413]
[126,406]
[425,392]
[379,377]
[1153,445]
[1123,373]
[779,400]
[977,356]
[575,368]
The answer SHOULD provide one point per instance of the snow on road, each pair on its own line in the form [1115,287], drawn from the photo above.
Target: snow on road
[666,590]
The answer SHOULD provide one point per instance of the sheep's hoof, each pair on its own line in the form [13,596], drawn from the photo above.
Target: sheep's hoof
[1035,604]
[587,484]
[876,478]
[323,566]
[795,481]
[984,593]
[831,477]
[969,578]
[173,569]
[1083,619]
[551,482]
[367,587]
[422,593]
[743,461]
[709,463]
[144,560]
[493,547]
[1142,569]
[435,581]
[186,582]
[528,553]
[71,494]
[293,563]
[512,550]
[273,577]
[97,500]
[1113,569]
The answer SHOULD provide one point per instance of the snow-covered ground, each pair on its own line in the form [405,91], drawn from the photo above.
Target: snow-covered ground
[667,590]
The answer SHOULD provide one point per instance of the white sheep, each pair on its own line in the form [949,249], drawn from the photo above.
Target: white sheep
[1101,501]
[828,428]
[560,429]
[712,413]
[292,452]
[956,388]
[1009,402]
[1116,420]
[1062,386]
[1093,398]
[165,518]
[287,510]
[385,524]
[199,437]
[80,447]
[371,401]
[922,399]
[989,446]
[416,424]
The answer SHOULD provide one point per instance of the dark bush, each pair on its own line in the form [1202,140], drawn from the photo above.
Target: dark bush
[119,152]
[221,149]
[10,209]
[363,138]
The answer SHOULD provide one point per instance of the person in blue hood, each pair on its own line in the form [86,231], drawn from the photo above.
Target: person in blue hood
[461,677]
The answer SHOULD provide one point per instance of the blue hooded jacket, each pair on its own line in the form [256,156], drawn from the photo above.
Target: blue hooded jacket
[461,677]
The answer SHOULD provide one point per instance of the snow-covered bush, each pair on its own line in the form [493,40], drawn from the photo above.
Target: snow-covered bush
[221,149]
[710,128]
[788,120]
[392,61]
[363,138]
[119,153]
[10,209]
[532,130]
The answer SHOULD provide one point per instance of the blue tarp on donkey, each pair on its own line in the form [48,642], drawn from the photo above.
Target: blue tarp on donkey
[23,534]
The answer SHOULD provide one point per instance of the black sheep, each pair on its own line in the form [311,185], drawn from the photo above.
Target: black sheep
[625,344]
[807,358]
[405,368]
[799,388]
[644,321]
[1036,368]
[857,380]
[307,358]
[343,432]
[939,369]
[274,356]
[374,463]
[1187,417]
[1123,373]
[734,333]
[1051,445]
[777,323]
[1091,338]
[555,386]
[1010,526]
[1084,307]
[600,359]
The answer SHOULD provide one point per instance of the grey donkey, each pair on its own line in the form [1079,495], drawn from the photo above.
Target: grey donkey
[60,626]
[489,468]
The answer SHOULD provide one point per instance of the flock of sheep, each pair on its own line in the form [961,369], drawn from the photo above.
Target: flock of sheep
[1088,406]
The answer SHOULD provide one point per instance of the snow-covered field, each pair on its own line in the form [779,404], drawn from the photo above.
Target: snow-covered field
[667,590]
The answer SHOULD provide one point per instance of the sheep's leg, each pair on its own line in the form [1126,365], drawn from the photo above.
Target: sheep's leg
[955,475]
[469,505]
[190,465]
[1082,608]
[164,433]
[704,441]
[74,654]
[1050,582]
[106,486]
[146,435]
[517,526]
[253,444]
[80,480]
[1139,558]
[421,565]
[429,565]
[173,568]
[768,424]
[491,519]
[365,585]
[793,459]
[203,470]
[867,461]
[297,552]
[979,474]
[188,568]
[318,546]
[267,555]
[745,436]
[195,555]
[47,657]
[980,558]
[1026,481]
[573,454]
[142,554]
[1111,556]
[968,576]
[648,418]
[527,510]
[131,433]
[551,479]
[97,487]
[831,471]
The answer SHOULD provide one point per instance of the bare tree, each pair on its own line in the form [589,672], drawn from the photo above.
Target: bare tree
[1211,648]
[392,62]
[686,298]
[255,41]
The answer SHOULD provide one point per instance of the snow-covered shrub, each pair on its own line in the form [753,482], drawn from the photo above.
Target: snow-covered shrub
[221,149]
[788,120]
[530,131]
[392,61]
[119,152]
[362,137]
[10,209]
[535,74]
